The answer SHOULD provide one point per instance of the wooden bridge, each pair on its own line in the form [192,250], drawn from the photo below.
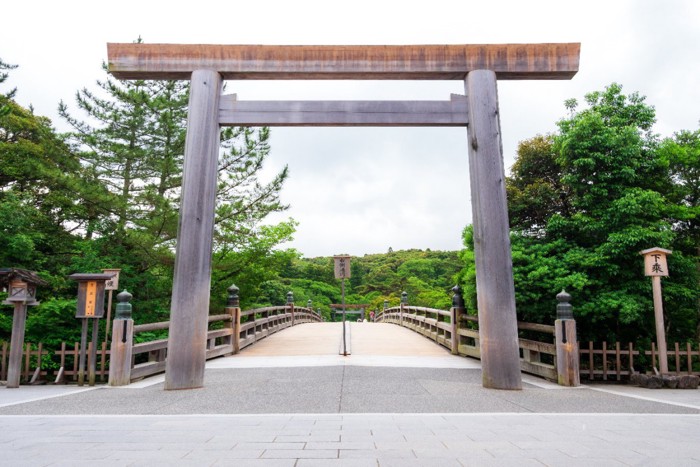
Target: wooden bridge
[403,331]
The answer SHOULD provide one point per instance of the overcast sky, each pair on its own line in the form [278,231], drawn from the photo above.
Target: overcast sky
[363,190]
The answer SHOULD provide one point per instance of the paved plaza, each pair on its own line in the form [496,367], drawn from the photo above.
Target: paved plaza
[403,408]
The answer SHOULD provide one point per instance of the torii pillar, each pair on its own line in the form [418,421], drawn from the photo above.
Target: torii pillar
[478,65]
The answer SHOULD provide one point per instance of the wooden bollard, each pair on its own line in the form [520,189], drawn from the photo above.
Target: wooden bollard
[233,308]
[121,349]
[457,310]
[290,304]
[404,302]
[566,342]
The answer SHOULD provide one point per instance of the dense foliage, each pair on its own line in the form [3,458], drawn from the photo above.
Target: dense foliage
[585,201]
[426,276]
[106,195]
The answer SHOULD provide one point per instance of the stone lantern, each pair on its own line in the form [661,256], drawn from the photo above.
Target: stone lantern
[21,287]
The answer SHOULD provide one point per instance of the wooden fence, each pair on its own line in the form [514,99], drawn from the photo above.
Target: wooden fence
[32,357]
[229,332]
[238,329]
[459,333]
[259,323]
[613,362]
[235,329]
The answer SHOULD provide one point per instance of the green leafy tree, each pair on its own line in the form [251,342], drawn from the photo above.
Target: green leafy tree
[44,199]
[535,189]
[594,195]
[134,141]
[427,277]
[681,154]
[43,194]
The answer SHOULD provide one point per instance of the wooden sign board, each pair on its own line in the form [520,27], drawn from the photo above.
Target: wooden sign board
[655,261]
[113,283]
[342,266]
[91,297]
[91,294]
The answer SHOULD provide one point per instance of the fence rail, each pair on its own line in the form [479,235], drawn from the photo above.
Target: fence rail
[230,332]
[234,330]
[458,332]
[613,362]
[541,346]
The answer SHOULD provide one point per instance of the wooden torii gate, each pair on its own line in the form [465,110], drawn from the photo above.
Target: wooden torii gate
[479,66]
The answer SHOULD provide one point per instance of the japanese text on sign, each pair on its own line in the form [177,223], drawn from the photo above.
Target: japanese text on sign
[90,298]
[655,264]
[342,267]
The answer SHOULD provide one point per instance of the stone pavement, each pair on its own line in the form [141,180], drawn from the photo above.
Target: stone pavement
[362,410]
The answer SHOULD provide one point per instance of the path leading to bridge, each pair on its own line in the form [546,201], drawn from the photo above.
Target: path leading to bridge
[378,339]
[398,400]
[369,344]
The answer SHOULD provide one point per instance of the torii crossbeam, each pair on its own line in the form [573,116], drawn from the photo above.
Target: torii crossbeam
[478,65]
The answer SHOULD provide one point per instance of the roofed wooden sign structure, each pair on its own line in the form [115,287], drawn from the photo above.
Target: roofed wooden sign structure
[206,66]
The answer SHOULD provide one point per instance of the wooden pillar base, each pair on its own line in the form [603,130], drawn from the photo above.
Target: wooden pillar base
[567,352]
[121,352]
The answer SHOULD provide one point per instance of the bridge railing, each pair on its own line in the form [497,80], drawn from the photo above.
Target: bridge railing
[259,323]
[231,332]
[543,350]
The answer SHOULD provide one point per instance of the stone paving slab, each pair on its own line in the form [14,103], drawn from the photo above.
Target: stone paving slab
[454,439]
[342,389]
[406,408]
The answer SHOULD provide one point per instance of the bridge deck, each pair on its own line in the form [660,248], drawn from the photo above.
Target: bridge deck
[366,339]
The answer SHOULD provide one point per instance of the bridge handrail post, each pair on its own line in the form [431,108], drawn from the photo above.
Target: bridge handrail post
[456,316]
[122,345]
[404,302]
[290,304]
[233,307]
[567,358]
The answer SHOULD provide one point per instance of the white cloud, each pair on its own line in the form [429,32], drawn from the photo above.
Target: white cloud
[363,190]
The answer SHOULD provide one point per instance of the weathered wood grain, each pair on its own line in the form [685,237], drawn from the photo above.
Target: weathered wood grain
[544,328]
[500,359]
[192,277]
[14,370]
[567,354]
[121,352]
[233,112]
[376,62]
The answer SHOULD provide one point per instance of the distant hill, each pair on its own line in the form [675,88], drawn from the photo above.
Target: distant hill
[427,276]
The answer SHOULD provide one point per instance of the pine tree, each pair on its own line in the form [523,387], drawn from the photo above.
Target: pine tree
[136,147]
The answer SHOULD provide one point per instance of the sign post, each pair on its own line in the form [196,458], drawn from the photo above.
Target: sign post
[90,306]
[111,285]
[342,270]
[655,266]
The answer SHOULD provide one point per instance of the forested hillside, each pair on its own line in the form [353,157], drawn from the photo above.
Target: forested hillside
[426,276]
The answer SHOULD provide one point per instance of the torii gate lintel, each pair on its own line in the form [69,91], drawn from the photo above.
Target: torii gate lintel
[478,65]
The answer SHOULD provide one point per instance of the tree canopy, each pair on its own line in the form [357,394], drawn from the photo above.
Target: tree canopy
[586,200]
[106,195]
